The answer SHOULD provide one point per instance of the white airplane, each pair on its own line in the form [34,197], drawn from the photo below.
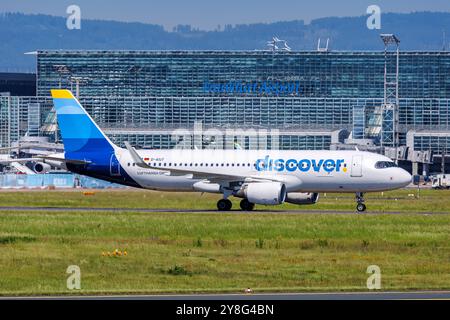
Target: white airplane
[40,163]
[265,177]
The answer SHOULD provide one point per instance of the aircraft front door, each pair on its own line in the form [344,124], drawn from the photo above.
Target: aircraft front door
[114,166]
[356,170]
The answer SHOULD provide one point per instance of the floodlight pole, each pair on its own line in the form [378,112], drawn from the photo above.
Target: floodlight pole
[78,81]
[391,96]
[61,69]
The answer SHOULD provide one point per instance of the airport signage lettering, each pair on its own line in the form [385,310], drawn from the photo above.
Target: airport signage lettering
[262,88]
[304,165]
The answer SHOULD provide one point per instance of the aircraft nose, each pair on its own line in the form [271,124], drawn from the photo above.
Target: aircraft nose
[403,178]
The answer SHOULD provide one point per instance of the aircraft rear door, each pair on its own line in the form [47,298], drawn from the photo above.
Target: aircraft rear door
[356,170]
[114,166]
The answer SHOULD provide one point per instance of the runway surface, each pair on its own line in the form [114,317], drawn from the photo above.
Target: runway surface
[441,295]
[172,210]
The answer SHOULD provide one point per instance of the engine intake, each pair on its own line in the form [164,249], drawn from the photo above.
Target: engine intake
[269,193]
[302,198]
[40,167]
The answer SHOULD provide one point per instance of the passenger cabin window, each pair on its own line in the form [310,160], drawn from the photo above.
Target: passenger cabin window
[385,164]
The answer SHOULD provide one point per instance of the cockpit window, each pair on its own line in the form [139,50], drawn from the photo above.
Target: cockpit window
[385,164]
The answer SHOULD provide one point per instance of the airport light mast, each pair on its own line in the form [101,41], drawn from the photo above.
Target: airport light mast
[135,70]
[78,81]
[62,70]
[390,116]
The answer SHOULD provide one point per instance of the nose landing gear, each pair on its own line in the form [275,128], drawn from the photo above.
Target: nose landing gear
[360,206]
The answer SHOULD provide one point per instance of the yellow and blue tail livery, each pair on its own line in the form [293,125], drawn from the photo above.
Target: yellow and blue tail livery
[84,141]
[79,132]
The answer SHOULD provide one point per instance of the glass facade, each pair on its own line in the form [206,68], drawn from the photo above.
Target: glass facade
[309,141]
[437,143]
[198,73]
[20,116]
[144,96]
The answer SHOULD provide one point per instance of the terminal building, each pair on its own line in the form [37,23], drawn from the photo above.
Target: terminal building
[17,84]
[392,102]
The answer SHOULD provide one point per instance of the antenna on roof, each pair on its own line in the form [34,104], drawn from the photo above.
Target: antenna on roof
[324,49]
[444,44]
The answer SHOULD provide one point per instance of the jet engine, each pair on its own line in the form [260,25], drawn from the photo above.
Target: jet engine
[40,167]
[265,192]
[302,198]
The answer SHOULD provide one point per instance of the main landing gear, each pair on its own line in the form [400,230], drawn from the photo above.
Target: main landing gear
[360,206]
[225,205]
[246,205]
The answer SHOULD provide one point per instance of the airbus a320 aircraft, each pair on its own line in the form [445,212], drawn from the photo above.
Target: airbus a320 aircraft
[266,177]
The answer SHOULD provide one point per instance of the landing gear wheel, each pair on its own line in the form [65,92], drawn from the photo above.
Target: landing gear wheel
[247,205]
[224,205]
[361,207]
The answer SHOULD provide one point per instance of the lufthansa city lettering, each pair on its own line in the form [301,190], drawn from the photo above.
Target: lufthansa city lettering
[304,165]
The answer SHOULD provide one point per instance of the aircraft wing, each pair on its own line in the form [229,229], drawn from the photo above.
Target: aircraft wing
[42,158]
[9,148]
[64,160]
[213,177]
[19,160]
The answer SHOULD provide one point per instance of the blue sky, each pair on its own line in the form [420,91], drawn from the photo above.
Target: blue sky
[208,14]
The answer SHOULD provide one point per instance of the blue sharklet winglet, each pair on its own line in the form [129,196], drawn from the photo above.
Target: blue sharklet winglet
[135,156]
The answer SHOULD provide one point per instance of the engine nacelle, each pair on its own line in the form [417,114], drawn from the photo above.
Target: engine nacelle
[302,198]
[265,192]
[203,186]
[40,167]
